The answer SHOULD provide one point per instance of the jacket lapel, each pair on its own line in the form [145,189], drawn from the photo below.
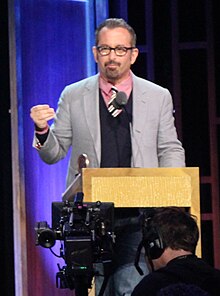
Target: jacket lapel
[91,103]
[138,121]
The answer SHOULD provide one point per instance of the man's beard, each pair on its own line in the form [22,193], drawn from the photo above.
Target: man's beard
[113,74]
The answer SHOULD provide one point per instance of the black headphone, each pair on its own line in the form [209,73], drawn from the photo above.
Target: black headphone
[152,241]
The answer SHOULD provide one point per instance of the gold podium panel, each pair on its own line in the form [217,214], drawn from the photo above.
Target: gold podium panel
[144,187]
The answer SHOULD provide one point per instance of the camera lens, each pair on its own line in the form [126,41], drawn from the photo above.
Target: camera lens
[47,238]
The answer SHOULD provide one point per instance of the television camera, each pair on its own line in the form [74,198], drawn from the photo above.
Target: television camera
[86,232]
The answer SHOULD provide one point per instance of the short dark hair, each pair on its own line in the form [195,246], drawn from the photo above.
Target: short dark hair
[113,23]
[178,229]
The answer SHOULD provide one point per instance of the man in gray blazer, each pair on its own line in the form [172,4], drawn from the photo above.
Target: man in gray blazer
[142,134]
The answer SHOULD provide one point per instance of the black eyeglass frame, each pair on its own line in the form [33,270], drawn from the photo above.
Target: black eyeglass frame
[115,49]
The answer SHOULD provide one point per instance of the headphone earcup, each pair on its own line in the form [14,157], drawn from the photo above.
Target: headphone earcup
[153,243]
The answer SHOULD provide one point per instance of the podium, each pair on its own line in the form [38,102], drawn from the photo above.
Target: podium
[144,188]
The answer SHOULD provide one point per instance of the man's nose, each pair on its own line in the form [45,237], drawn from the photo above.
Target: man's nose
[112,53]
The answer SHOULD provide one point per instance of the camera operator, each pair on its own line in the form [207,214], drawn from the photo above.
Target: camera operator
[170,237]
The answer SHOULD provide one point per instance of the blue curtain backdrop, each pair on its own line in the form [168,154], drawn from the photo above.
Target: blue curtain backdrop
[53,46]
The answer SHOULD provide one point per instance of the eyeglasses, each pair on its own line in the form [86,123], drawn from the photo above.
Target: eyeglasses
[119,50]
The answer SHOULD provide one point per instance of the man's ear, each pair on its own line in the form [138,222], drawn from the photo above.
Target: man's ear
[134,55]
[95,53]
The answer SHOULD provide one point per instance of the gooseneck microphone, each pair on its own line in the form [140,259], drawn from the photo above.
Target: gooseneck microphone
[116,106]
[120,102]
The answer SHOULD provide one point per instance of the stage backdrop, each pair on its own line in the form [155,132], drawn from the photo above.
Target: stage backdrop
[53,41]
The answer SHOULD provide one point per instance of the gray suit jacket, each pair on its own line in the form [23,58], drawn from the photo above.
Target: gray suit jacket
[77,125]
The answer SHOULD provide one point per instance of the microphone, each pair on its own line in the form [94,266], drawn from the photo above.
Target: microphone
[117,103]
[121,101]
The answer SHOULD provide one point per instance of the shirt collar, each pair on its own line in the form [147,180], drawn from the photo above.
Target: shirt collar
[125,86]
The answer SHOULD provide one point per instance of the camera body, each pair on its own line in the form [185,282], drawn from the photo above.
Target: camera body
[86,233]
